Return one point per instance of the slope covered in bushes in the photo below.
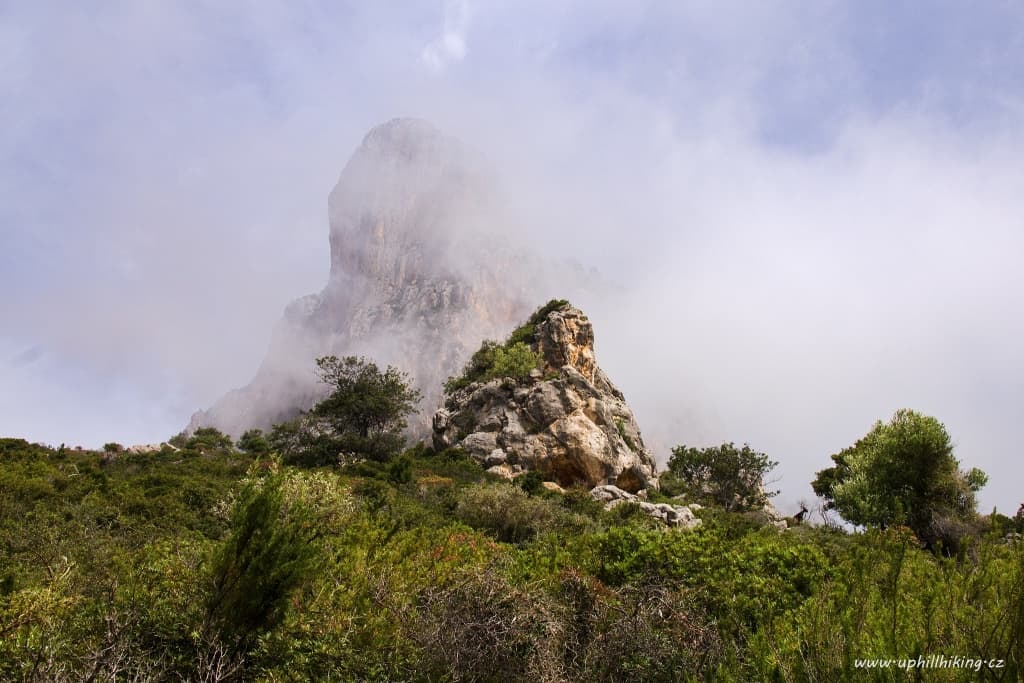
(207, 563)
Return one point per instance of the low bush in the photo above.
(511, 515)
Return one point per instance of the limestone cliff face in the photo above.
(567, 421)
(419, 274)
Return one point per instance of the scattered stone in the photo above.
(671, 515)
(141, 449)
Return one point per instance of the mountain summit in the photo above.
(420, 272)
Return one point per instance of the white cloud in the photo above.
(450, 46)
(165, 174)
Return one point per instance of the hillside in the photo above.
(319, 553)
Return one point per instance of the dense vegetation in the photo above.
(324, 551)
(209, 563)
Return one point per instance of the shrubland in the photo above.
(328, 550)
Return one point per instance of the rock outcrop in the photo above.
(566, 420)
(419, 274)
(671, 515)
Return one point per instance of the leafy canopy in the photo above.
(364, 401)
(723, 475)
(363, 415)
(902, 471)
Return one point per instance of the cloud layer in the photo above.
(813, 211)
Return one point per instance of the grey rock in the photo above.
(479, 444)
(495, 457)
(671, 515)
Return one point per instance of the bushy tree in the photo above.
(364, 400)
(254, 442)
(725, 475)
(363, 415)
(902, 471)
(515, 360)
(208, 439)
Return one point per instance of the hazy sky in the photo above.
(814, 209)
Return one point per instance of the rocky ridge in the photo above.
(566, 420)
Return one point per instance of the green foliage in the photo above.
(364, 402)
(166, 566)
(254, 442)
(515, 358)
(532, 482)
(730, 477)
(113, 447)
(493, 361)
(400, 470)
(542, 313)
(207, 439)
(903, 472)
(512, 515)
(363, 416)
(887, 599)
(261, 562)
(744, 582)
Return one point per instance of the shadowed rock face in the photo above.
(567, 421)
(419, 275)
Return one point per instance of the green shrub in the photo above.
(532, 482)
(516, 361)
(730, 477)
(254, 442)
(255, 569)
(744, 582)
(542, 313)
(514, 358)
(890, 599)
(511, 515)
(399, 470)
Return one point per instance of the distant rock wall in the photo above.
(420, 273)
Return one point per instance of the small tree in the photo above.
(254, 442)
(904, 472)
(208, 439)
(254, 571)
(730, 477)
(366, 411)
(515, 360)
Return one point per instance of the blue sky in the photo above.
(818, 202)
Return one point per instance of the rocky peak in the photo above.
(420, 272)
(565, 420)
(566, 337)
